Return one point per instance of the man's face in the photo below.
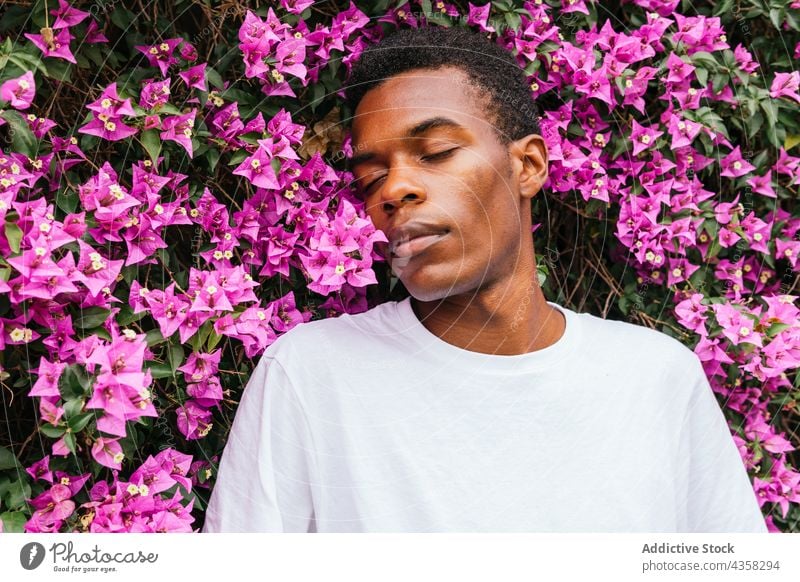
(439, 184)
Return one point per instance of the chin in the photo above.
(429, 290)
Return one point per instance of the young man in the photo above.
(474, 405)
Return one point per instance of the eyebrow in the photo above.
(414, 131)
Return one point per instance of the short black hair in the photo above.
(491, 69)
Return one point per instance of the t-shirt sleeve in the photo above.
(719, 493)
(263, 483)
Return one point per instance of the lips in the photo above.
(411, 239)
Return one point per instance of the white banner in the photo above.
(400, 557)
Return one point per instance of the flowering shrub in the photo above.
(174, 196)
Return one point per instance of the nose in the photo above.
(401, 187)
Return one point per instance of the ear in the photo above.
(530, 159)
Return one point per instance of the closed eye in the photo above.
(439, 155)
(428, 158)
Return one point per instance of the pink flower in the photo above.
(54, 505)
(178, 128)
(786, 85)
(47, 383)
(734, 165)
(67, 16)
(257, 168)
(759, 430)
(41, 470)
(763, 185)
(193, 421)
(643, 137)
(20, 91)
(679, 70)
(479, 15)
(161, 54)
(789, 250)
(59, 48)
(737, 327)
(108, 452)
(296, 6)
(199, 367)
(195, 77)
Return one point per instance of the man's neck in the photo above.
(512, 321)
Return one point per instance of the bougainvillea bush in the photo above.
(174, 196)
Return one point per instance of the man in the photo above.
(474, 405)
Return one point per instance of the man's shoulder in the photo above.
(634, 343)
(332, 334)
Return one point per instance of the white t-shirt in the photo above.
(371, 423)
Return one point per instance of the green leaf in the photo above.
(91, 317)
(213, 78)
(74, 382)
(159, 370)
(154, 337)
(17, 493)
(776, 328)
(22, 139)
(719, 81)
(13, 521)
(54, 432)
(127, 316)
(213, 340)
(70, 442)
(7, 459)
(73, 407)
(769, 109)
(151, 143)
(702, 76)
(25, 62)
(705, 60)
(79, 422)
(175, 356)
(67, 200)
(13, 235)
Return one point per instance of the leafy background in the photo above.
(174, 196)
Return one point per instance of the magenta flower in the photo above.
(53, 506)
(479, 15)
(760, 431)
(20, 91)
(108, 111)
(49, 412)
(41, 470)
(786, 85)
(296, 6)
(108, 452)
(154, 93)
(257, 168)
(93, 34)
(763, 185)
(178, 128)
(200, 367)
(168, 309)
(193, 421)
(734, 166)
(643, 137)
(737, 327)
(161, 55)
(679, 70)
(57, 48)
(95, 271)
(67, 16)
(47, 383)
(195, 77)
